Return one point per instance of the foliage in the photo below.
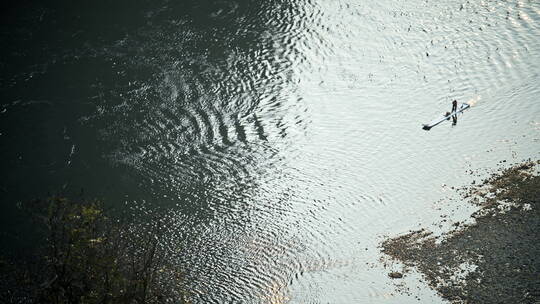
(90, 258)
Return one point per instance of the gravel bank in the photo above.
(494, 260)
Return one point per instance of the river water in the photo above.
(283, 137)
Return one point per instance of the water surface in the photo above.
(283, 136)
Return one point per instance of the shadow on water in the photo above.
(182, 105)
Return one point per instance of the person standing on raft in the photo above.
(454, 108)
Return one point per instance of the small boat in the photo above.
(462, 107)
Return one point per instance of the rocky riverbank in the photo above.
(496, 259)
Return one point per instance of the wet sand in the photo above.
(494, 260)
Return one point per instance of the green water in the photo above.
(283, 136)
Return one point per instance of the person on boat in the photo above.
(454, 109)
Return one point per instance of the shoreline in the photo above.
(496, 259)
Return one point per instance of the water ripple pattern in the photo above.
(205, 127)
(262, 137)
(281, 139)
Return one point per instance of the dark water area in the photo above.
(284, 136)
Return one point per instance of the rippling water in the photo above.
(283, 137)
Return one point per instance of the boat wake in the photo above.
(472, 102)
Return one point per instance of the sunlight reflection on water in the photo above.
(285, 138)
